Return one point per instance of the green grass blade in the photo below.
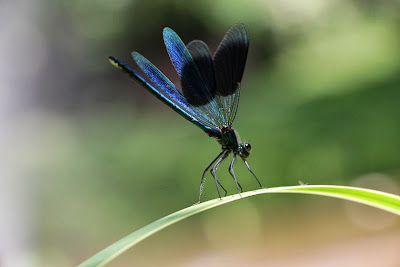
(381, 200)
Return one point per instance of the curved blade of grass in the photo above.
(381, 200)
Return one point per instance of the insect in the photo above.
(210, 90)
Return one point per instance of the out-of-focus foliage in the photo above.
(319, 103)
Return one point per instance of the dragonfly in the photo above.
(210, 90)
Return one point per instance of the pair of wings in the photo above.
(210, 85)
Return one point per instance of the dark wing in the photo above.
(229, 63)
(195, 87)
(203, 60)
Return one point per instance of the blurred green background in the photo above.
(89, 156)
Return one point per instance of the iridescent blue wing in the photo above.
(198, 91)
(169, 90)
(167, 93)
(229, 63)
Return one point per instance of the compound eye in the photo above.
(247, 147)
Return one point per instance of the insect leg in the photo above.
(248, 167)
(233, 174)
(213, 170)
(203, 181)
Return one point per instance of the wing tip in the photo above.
(168, 31)
(135, 55)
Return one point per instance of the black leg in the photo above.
(223, 188)
(233, 173)
(213, 170)
(248, 167)
(203, 181)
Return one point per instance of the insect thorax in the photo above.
(228, 138)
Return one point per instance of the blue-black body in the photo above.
(210, 89)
